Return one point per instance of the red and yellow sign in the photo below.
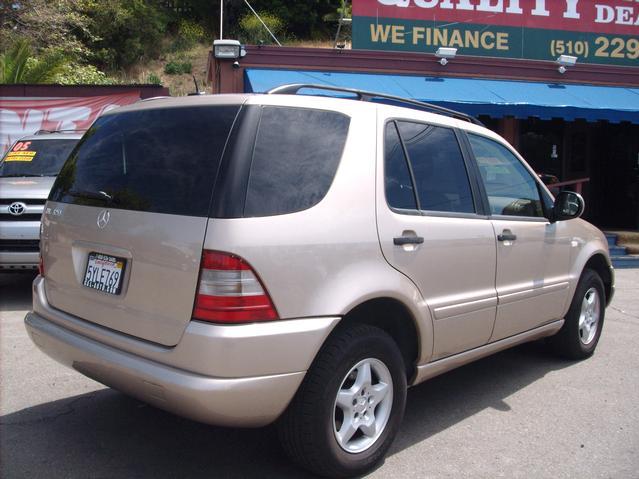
(20, 152)
(596, 31)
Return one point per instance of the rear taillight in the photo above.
(229, 291)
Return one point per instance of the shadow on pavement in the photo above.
(443, 401)
(15, 291)
(106, 434)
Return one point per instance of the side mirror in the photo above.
(568, 205)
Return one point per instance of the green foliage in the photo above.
(77, 41)
(18, 65)
(189, 34)
(75, 74)
(46, 25)
(345, 8)
(124, 31)
(300, 18)
(153, 79)
(177, 68)
(253, 31)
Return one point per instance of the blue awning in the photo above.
(496, 98)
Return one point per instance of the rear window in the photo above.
(36, 157)
(295, 158)
(161, 161)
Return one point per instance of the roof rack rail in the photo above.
(152, 98)
(67, 130)
(294, 88)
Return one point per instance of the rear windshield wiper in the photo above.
(92, 195)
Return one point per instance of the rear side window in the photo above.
(441, 179)
(295, 158)
(161, 161)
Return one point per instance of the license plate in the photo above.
(104, 273)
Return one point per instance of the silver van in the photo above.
(248, 259)
(27, 172)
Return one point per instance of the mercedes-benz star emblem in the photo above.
(17, 208)
(103, 218)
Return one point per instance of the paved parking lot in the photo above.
(521, 413)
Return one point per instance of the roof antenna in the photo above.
(197, 88)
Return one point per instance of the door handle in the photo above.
(507, 235)
(402, 240)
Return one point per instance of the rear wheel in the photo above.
(578, 337)
(348, 410)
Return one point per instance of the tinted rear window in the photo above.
(295, 158)
(36, 157)
(438, 167)
(161, 161)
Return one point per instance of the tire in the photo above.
(314, 429)
(578, 337)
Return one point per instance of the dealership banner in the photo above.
(24, 116)
(595, 31)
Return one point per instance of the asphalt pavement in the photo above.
(519, 414)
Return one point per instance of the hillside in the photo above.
(182, 84)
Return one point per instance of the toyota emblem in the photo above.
(17, 208)
(103, 218)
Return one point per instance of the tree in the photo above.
(122, 32)
(45, 24)
(301, 18)
(18, 65)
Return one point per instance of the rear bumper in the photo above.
(253, 401)
(262, 386)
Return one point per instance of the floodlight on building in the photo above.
(228, 49)
(565, 61)
(444, 54)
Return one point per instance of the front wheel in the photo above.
(578, 337)
(349, 407)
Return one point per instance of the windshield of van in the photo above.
(152, 160)
(36, 157)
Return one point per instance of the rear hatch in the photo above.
(125, 223)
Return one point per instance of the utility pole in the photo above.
(221, 18)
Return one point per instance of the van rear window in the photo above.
(160, 161)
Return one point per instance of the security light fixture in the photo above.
(444, 54)
(228, 49)
(565, 61)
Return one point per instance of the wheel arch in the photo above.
(599, 264)
(396, 319)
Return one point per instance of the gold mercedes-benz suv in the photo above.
(248, 259)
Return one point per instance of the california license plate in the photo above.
(104, 273)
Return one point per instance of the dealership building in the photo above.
(558, 79)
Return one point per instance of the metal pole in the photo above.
(221, 17)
